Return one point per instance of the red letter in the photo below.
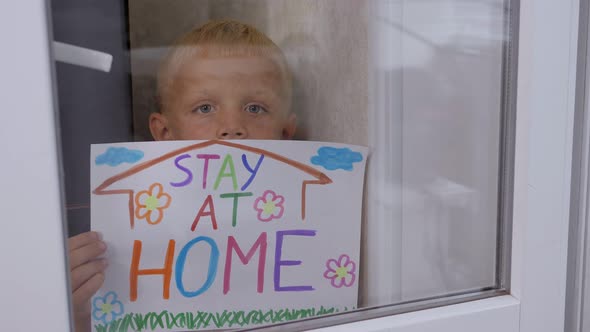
(232, 244)
(202, 213)
(135, 272)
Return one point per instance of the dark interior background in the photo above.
(94, 106)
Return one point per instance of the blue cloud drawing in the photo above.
(336, 158)
(117, 156)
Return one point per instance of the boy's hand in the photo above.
(86, 274)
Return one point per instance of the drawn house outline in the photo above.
(102, 189)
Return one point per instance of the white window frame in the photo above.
(33, 282)
(543, 158)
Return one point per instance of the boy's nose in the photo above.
(230, 131)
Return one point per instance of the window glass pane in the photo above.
(425, 85)
(436, 95)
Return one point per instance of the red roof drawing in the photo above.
(320, 178)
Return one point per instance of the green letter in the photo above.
(227, 161)
(235, 196)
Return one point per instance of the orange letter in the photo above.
(203, 213)
(135, 272)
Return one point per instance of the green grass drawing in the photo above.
(208, 320)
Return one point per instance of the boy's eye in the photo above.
(204, 109)
(255, 109)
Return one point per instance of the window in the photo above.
(426, 85)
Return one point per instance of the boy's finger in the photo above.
(82, 240)
(84, 272)
(82, 295)
(86, 254)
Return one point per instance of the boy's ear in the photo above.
(290, 126)
(159, 127)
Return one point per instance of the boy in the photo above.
(224, 80)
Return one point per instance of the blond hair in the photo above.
(221, 38)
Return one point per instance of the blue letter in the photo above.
(213, 260)
(253, 172)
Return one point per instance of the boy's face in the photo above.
(237, 97)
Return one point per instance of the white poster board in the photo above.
(225, 234)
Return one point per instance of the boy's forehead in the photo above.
(231, 65)
(195, 70)
(250, 70)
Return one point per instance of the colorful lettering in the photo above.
(207, 157)
(232, 244)
(253, 172)
(235, 196)
(211, 272)
(209, 213)
(189, 174)
(135, 272)
(227, 162)
(279, 262)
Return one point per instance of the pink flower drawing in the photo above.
(269, 206)
(341, 272)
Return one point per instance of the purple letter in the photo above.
(189, 177)
(206, 167)
(279, 262)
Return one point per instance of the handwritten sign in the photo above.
(225, 234)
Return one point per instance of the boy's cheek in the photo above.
(274, 133)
